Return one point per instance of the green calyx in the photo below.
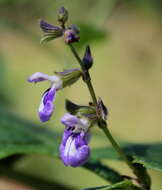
(69, 77)
(80, 110)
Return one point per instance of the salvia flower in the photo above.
(57, 82)
(74, 149)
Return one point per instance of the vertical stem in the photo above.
(87, 80)
(117, 147)
(92, 92)
(103, 125)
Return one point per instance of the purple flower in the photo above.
(78, 124)
(71, 36)
(58, 81)
(74, 149)
(46, 107)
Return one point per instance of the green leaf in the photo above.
(143, 176)
(33, 181)
(19, 136)
(149, 155)
(103, 171)
(124, 185)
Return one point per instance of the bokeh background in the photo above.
(126, 42)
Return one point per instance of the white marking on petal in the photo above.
(38, 76)
(70, 148)
(56, 81)
(41, 106)
(83, 125)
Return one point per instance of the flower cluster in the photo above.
(74, 148)
(50, 32)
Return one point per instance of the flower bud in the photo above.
(69, 77)
(62, 15)
(71, 36)
(87, 59)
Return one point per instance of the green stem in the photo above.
(102, 125)
(87, 79)
(76, 56)
(117, 147)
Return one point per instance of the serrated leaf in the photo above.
(20, 136)
(124, 185)
(149, 155)
(103, 171)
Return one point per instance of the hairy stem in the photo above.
(102, 125)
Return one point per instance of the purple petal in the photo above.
(69, 120)
(46, 107)
(74, 150)
(38, 77)
(70, 36)
(49, 27)
(62, 10)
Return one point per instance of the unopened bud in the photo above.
(62, 15)
(87, 59)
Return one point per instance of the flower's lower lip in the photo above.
(74, 150)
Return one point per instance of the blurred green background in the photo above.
(126, 42)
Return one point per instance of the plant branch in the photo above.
(102, 124)
(87, 78)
